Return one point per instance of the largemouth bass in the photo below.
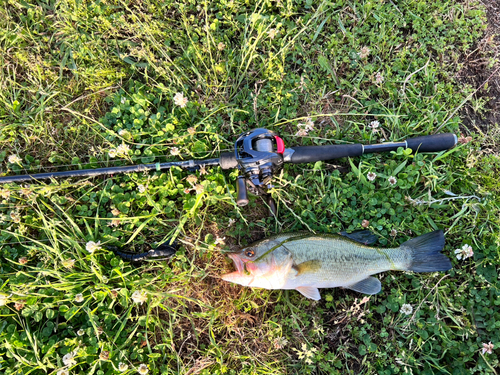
(306, 262)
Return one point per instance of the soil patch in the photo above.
(482, 113)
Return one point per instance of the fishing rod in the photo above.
(259, 154)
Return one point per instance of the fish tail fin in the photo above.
(426, 253)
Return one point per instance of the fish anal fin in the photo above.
(370, 285)
(362, 236)
(308, 266)
(309, 292)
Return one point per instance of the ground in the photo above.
(482, 113)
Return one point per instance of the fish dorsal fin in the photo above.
(370, 285)
(362, 236)
(309, 292)
(309, 266)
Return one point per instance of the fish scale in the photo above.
(342, 262)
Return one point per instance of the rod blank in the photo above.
(109, 171)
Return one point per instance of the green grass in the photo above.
(80, 79)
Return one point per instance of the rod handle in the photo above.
(426, 143)
(432, 143)
(311, 154)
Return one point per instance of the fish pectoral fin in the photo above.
(309, 266)
(370, 285)
(362, 236)
(309, 292)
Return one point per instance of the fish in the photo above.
(306, 262)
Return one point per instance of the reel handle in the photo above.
(241, 192)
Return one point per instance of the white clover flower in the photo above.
(4, 193)
(309, 124)
(203, 170)
(221, 46)
(301, 133)
(180, 100)
(364, 300)
(92, 246)
(115, 212)
(365, 51)
(305, 128)
(272, 33)
(174, 151)
(406, 309)
(63, 372)
(192, 179)
(280, 342)
(104, 355)
(371, 176)
(219, 241)
(4, 299)
(79, 297)
(123, 99)
(379, 78)
(392, 180)
(123, 149)
(114, 223)
(231, 222)
(122, 367)
(69, 359)
(199, 188)
(80, 332)
(15, 217)
(139, 297)
(191, 130)
(2, 218)
(142, 369)
(122, 132)
(465, 252)
(112, 153)
(68, 263)
(374, 125)
(14, 159)
(488, 348)
(26, 191)
(19, 305)
(141, 188)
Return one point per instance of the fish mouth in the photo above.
(238, 263)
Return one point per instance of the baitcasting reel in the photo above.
(259, 154)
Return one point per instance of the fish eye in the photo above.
(249, 253)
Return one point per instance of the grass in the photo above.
(81, 80)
